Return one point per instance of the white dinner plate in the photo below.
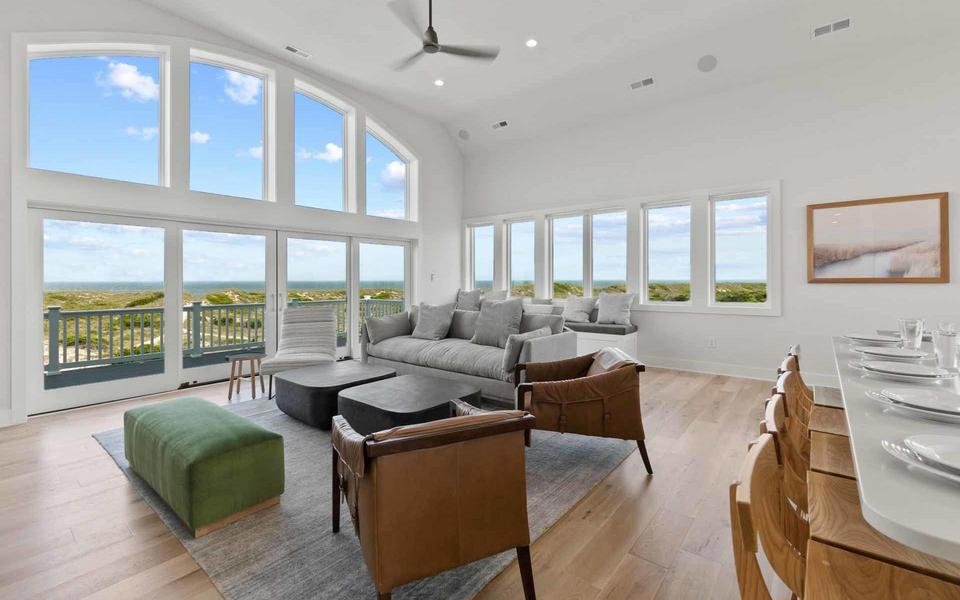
(926, 399)
(943, 450)
(891, 352)
(910, 369)
(905, 454)
(874, 338)
(910, 411)
(920, 379)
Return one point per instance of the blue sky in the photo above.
(668, 228)
(522, 244)
(568, 249)
(97, 116)
(483, 253)
(316, 260)
(216, 256)
(78, 251)
(741, 239)
(319, 154)
(386, 180)
(610, 246)
(381, 262)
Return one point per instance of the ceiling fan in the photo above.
(431, 44)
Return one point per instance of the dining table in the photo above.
(915, 508)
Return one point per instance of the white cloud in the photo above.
(394, 175)
(242, 89)
(331, 153)
(144, 133)
(130, 81)
(199, 137)
(390, 213)
(252, 152)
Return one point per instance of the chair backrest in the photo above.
(308, 330)
(793, 454)
(756, 506)
(797, 404)
(791, 362)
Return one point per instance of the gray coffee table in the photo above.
(310, 394)
(403, 400)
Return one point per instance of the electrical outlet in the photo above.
(433, 276)
(712, 343)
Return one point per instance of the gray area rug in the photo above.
(289, 551)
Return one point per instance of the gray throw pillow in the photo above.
(433, 322)
(511, 352)
(577, 310)
(468, 300)
(379, 329)
(498, 320)
(538, 309)
(614, 308)
(492, 296)
(464, 324)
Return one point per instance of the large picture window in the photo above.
(97, 116)
(668, 253)
(522, 258)
(609, 257)
(386, 180)
(226, 131)
(740, 249)
(319, 141)
(483, 256)
(567, 239)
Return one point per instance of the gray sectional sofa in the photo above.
(456, 357)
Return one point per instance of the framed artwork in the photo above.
(903, 239)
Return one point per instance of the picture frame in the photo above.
(899, 239)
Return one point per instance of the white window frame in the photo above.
(80, 49)
(644, 292)
(508, 253)
(349, 141)
(412, 163)
(268, 94)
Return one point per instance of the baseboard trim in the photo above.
(732, 370)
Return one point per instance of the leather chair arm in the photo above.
(463, 409)
(570, 368)
(454, 430)
(350, 445)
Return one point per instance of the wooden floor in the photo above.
(71, 526)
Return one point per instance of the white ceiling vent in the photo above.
(499, 124)
(832, 27)
(297, 51)
(643, 83)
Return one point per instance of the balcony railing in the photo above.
(89, 338)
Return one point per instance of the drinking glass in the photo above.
(946, 345)
(911, 333)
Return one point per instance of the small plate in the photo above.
(926, 399)
(921, 379)
(892, 352)
(909, 369)
(902, 453)
(941, 450)
(910, 411)
(873, 338)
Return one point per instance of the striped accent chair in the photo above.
(308, 336)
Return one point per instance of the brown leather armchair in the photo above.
(434, 496)
(563, 398)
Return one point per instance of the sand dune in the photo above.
(825, 254)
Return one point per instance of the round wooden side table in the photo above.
(236, 372)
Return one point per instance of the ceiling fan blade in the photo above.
(402, 10)
(403, 64)
(484, 52)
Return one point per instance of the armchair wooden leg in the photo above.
(642, 447)
(270, 395)
(527, 438)
(383, 596)
(526, 572)
(335, 486)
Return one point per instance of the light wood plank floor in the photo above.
(71, 526)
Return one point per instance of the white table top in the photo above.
(915, 508)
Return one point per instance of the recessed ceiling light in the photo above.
(438, 82)
(532, 43)
(707, 63)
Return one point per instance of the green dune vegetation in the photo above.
(727, 291)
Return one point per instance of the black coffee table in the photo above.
(403, 400)
(310, 394)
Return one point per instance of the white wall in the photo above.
(872, 127)
(440, 162)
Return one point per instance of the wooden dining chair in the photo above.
(796, 403)
(818, 394)
(793, 455)
(756, 513)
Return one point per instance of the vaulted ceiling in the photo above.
(589, 51)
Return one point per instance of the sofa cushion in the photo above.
(464, 324)
(608, 328)
(614, 308)
(468, 300)
(529, 322)
(381, 328)
(577, 310)
(462, 356)
(403, 348)
(540, 309)
(511, 354)
(493, 296)
(497, 321)
(433, 322)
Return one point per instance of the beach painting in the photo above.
(903, 239)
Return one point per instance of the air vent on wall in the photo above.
(832, 27)
(499, 124)
(297, 51)
(646, 82)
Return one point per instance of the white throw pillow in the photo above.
(538, 309)
(607, 359)
(614, 308)
(577, 310)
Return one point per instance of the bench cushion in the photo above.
(607, 328)
(204, 461)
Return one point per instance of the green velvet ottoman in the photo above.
(211, 466)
